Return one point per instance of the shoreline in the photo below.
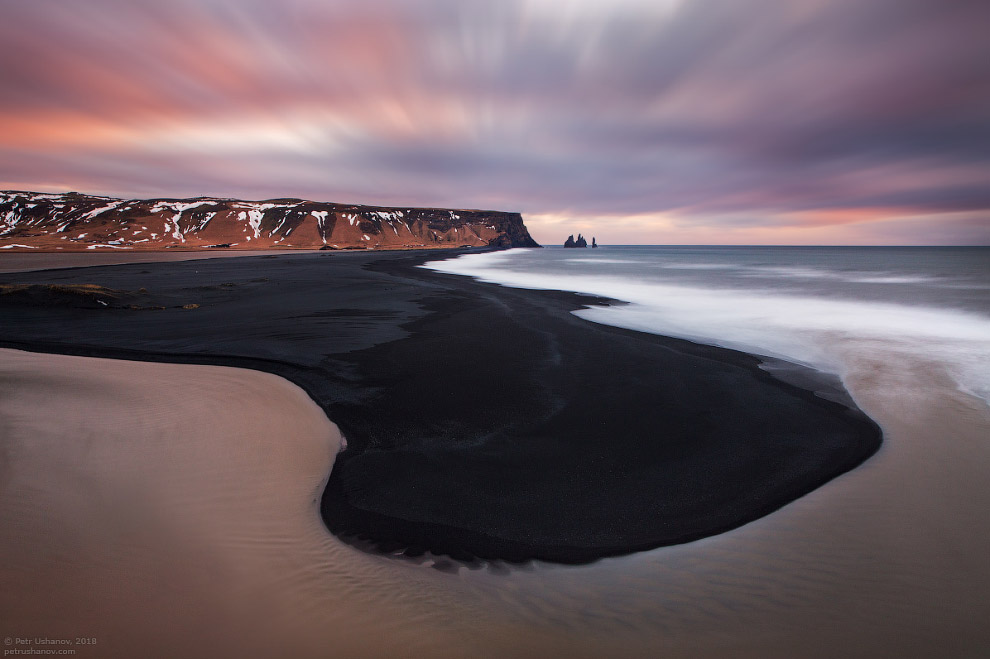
(400, 328)
(19, 260)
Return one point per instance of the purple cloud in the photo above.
(718, 112)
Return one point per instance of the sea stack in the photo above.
(580, 242)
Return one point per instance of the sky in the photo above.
(637, 121)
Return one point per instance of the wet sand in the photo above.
(196, 533)
(171, 511)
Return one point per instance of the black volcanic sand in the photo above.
(482, 422)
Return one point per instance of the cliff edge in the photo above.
(78, 222)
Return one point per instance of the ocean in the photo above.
(823, 307)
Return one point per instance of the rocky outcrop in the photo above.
(580, 242)
(77, 222)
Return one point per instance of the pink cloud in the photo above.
(731, 114)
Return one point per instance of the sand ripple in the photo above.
(171, 510)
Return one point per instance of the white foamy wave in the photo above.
(854, 277)
(698, 266)
(601, 261)
(825, 333)
(893, 279)
(798, 273)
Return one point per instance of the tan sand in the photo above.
(171, 511)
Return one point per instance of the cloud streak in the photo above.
(712, 117)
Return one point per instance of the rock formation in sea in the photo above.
(594, 243)
(580, 242)
(78, 222)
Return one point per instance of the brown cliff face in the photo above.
(76, 222)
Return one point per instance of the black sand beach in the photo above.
(481, 421)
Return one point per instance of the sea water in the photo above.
(818, 306)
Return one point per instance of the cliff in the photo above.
(78, 222)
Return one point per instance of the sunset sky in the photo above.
(638, 121)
